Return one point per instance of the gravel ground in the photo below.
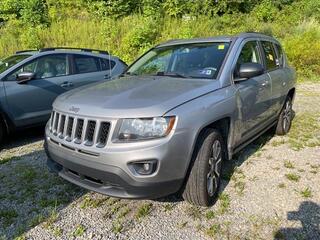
(269, 191)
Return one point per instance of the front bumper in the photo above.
(109, 173)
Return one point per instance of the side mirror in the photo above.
(249, 70)
(25, 76)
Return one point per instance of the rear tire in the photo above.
(202, 186)
(285, 118)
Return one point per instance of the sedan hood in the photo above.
(133, 96)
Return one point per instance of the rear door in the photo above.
(30, 102)
(253, 95)
(275, 62)
(88, 69)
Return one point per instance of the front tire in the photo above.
(202, 186)
(285, 118)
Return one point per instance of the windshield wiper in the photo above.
(171, 74)
(128, 74)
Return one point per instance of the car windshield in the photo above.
(197, 60)
(7, 63)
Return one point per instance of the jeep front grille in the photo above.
(79, 130)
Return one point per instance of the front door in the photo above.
(31, 102)
(253, 95)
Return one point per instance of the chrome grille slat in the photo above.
(79, 130)
(55, 123)
(96, 132)
(74, 128)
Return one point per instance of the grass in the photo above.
(276, 143)
(281, 185)
(238, 178)
(53, 217)
(123, 212)
(306, 193)
(288, 164)
(224, 201)
(213, 230)
(117, 226)
(8, 216)
(168, 207)
(144, 210)
(293, 177)
(210, 214)
(305, 131)
(39, 218)
(182, 225)
(194, 212)
(89, 202)
(7, 159)
(79, 231)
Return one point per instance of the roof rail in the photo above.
(28, 50)
(70, 48)
(259, 33)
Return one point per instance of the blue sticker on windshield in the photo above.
(206, 71)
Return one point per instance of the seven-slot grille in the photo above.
(79, 130)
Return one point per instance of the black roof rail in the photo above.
(71, 48)
(28, 50)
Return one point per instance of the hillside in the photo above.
(128, 27)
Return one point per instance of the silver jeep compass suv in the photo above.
(172, 118)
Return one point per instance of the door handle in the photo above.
(67, 84)
(264, 84)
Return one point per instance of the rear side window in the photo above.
(270, 56)
(86, 64)
(280, 58)
(106, 64)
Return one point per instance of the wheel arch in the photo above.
(292, 93)
(6, 122)
(223, 125)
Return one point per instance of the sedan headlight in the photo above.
(145, 128)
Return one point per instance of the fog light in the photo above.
(144, 168)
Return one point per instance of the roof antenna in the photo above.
(109, 56)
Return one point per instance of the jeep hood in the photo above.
(133, 96)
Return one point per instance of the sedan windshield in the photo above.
(197, 60)
(11, 61)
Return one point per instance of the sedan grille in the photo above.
(79, 130)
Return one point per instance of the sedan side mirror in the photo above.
(25, 76)
(249, 70)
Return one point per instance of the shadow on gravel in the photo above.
(30, 195)
(20, 138)
(309, 216)
(230, 167)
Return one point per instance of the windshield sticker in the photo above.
(221, 46)
(206, 71)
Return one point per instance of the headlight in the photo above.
(145, 128)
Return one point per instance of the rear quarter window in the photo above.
(280, 56)
(270, 55)
(107, 64)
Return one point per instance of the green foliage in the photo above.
(30, 12)
(127, 28)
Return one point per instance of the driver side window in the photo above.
(44, 67)
(249, 54)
